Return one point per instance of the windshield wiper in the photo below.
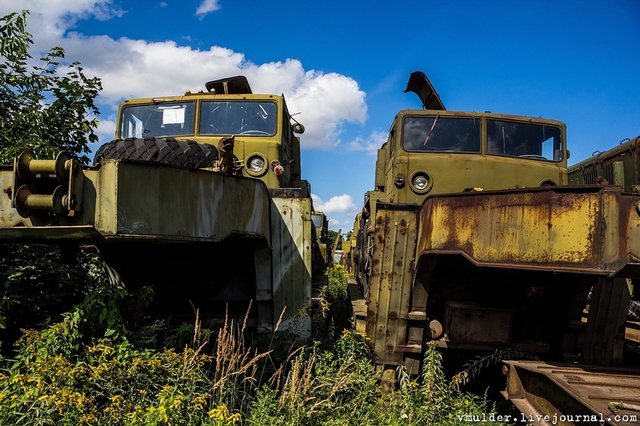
(431, 130)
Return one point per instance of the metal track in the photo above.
(567, 394)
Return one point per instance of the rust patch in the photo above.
(508, 217)
(393, 316)
(399, 263)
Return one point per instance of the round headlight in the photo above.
(420, 182)
(256, 164)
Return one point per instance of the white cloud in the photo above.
(336, 204)
(346, 226)
(370, 145)
(327, 101)
(207, 6)
(51, 19)
(107, 130)
(132, 68)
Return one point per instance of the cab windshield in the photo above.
(157, 120)
(216, 118)
(238, 118)
(524, 140)
(462, 134)
(441, 134)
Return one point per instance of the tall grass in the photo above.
(60, 377)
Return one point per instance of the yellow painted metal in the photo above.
(553, 228)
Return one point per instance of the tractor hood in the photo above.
(229, 86)
(421, 86)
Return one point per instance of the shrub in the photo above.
(57, 380)
(333, 311)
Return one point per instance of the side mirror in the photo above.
(297, 128)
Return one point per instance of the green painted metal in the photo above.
(125, 199)
(292, 262)
(281, 145)
(452, 171)
(617, 166)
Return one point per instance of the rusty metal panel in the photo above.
(390, 283)
(580, 229)
(467, 322)
(126, 199)
(292, 262)
(562, 392)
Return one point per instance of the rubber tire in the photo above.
(186, 153)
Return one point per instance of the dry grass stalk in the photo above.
(276, 376)
(279, 321)
(198, 344)
(235, 365)
(335, 387)
(275, 379)
(298, 384)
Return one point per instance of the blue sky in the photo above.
(343, 65)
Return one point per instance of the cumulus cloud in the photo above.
(49, 20)
(132, 68)
(346, 225)
(207, 6)
(105, 132)
(336, 204)
(370, 145)
(327, 101)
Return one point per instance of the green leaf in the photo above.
(41, 108)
